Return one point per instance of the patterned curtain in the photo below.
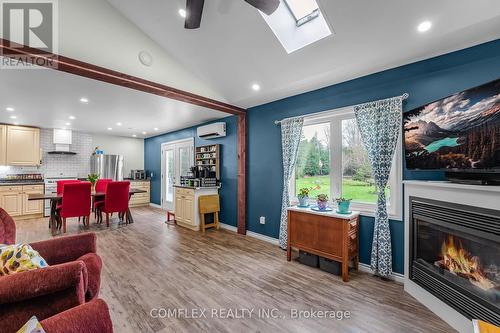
(379, 124)
(291, 131)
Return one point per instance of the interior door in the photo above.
(169, 177)
(177, 159)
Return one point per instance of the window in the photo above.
(303, 11)
(298, 23)
(332, 160)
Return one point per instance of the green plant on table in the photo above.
(92, 178)
(341, 199)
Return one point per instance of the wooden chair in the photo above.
(209, 204)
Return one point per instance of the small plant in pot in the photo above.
(92, 178)
(322, 201)
(303, 195)
(343, 205)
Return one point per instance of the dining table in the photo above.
(55, 198)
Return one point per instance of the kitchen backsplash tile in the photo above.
(55, 165)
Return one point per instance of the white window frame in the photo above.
(335, 117)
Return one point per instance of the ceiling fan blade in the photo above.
(194, 11)
(266, 6)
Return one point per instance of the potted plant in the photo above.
(343, 205)
(322, 201)
(92, 178)
(303, 196)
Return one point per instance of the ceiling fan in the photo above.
(194, 10)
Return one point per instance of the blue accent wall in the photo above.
(229, 167)
(425, 81)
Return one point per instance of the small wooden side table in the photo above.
(209, 204)
(326, 234)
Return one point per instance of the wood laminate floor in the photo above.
(150, 265)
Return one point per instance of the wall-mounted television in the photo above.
(459, 133)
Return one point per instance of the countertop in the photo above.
(330, 213)
(199, 187)
(21, 182)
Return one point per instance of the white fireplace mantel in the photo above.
(471, 195)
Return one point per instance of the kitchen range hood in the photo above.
(62, 139)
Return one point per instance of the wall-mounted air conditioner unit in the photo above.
(212, 131)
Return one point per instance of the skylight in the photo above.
(298, 23)
(303, 11)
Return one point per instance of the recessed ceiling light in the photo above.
(255, 87)
(84, 100)
(110, 129)
(10, 109)
(182, 12)
(72, 117)
(13, 117)
(424, 26)
(156, 129)
(118, 124)
(68, 124)
(144, 133)
(134, 135)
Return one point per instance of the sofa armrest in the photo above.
(93, 316)
(65, 249)
(44, 281)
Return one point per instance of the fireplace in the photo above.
(455, 255)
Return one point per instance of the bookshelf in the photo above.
(209, 156)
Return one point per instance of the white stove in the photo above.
(51, 187)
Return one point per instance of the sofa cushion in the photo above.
(19, 258)
(93, 264)
(32, 326)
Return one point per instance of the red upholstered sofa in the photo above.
(92, 317)
(72, 278)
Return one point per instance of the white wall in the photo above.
(132, 150)
(93, 31)
(78, 165)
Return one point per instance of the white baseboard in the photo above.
(155, 205)
(265, 238)
(396, 277)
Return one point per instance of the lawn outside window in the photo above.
(332, 160)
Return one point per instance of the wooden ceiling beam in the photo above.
(37, 57)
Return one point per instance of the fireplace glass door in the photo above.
(463, 260)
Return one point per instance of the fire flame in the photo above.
(460, 262)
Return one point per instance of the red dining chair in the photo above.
(116, 200)
(61, 183)
(76, 202)
(100, 187)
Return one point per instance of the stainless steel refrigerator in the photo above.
(107, 166)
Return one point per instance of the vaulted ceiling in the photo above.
(234, 47)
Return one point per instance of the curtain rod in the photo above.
(277, 122)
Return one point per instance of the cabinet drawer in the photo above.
(33, 188)
(140, 196)
(185, 192)
(139, 185)
(11, 189)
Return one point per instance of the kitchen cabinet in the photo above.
(22, 146)
(140, 199)
(186, 205)
(11, 199)
(33, 206)
(14, 200)
(3, 144)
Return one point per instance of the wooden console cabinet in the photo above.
(326, 234)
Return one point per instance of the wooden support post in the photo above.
(242, 169)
